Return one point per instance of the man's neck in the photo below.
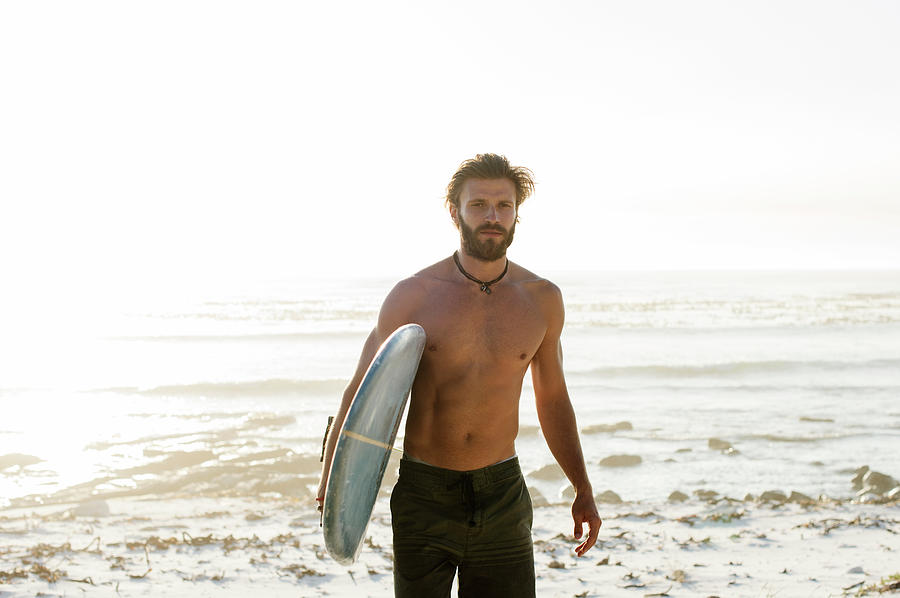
(480, 269)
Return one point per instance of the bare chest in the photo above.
(468, 328)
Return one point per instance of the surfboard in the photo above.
(364, 444)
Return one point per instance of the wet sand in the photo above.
(183, 546)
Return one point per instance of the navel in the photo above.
(523, 356)
(432, 347)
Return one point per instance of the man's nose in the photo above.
(491, 215)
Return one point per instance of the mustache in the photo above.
(492, 227)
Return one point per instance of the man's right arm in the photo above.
(394, 313)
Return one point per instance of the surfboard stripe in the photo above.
(366, 439)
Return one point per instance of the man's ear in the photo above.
(454, 214)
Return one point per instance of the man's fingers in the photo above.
(585, 546)
(584, 510)
(593, 531)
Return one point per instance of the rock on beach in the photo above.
(678, 496)
(607, 428)
(773, 496)
(621, 461)
(718, 444)
(872, 485)
(707, 495)
(550, 472)
(608, 497)
(800, 498)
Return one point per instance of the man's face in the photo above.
(486, 217)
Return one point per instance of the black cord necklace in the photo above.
(485, 286)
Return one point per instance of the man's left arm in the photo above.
(557, 419)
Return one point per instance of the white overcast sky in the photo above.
(189, 140)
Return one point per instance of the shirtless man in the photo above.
(461, 501)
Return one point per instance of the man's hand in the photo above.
(584, 510)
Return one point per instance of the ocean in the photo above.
(226, 391)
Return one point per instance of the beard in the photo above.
(487, 250)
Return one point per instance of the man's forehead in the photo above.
(488, 188)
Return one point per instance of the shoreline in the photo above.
(193, 546)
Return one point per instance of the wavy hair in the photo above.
(490, 166)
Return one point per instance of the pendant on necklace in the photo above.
(485, 284)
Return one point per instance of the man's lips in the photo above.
(495, 233)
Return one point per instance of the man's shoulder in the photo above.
(420, 284)
(438, 272)
(541, 287)
(544, 293)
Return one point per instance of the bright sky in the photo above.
(172, 141)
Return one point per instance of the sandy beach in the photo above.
(176, 452)
(233, 547)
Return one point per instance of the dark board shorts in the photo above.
(477, 521)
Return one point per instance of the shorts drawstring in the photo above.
(465, 482)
